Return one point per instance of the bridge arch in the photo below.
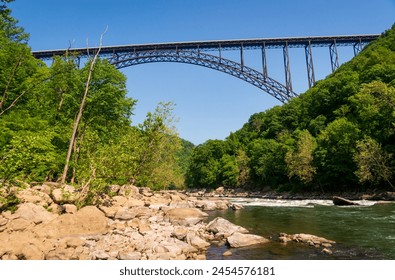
(265, 83)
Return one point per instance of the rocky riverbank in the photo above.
(270, 194)
(134, 224)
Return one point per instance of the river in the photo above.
(361, 232)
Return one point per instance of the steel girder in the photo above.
(334, 56)
(310, 65)
(265, 83)
(287, 68)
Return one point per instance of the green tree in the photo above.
(106, 111)
(373, 163)
(229, 171)
(300, 159)
(8, 25)
(19, 74)
(374, 107)
(205, 164)
(243, 164)
(335, 150)
(267, 161)
(29, 157)
(160, 144)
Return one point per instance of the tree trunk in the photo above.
(79, 116)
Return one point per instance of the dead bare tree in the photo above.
(82, 105)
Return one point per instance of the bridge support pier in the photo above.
(310, 65)
(334, 56)
(358, 47)
(264, 61)
(287, 67)
(242, 57)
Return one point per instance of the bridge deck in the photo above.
(293, 42)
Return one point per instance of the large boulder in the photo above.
(129, 191)
(34, 196)
(238, 239)
(133, 202)
(23, 245)
(157, 201)
(110, 212)
(34, 213)
(220, 190)
(210, 205)
(64, 194)
(19, 224)
(184, 216)
(125, 213)
(118, 200)
(340, 201)
(220, 226)
(207, 205)
(196, 241)
(87, 221)
(127, 255)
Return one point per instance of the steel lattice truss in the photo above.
(194, 53)
(227, 66)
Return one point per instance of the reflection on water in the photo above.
(361, 232)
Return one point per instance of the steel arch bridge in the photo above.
(230, 67)
(196, 53)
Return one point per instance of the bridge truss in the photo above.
(197, 53)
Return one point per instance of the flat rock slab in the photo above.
(309, 239)
(238, 239)
(184, 216)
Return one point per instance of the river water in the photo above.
(361, 232)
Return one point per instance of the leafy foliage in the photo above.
(38, 107)
(29, 157)
(300, 160)
(373, 163)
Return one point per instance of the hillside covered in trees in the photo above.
(39, 108)
(338, 136)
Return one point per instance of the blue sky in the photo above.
(209, 104)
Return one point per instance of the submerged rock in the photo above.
(309, 239)
(235, 206)
(340, 201)
(227, 253)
